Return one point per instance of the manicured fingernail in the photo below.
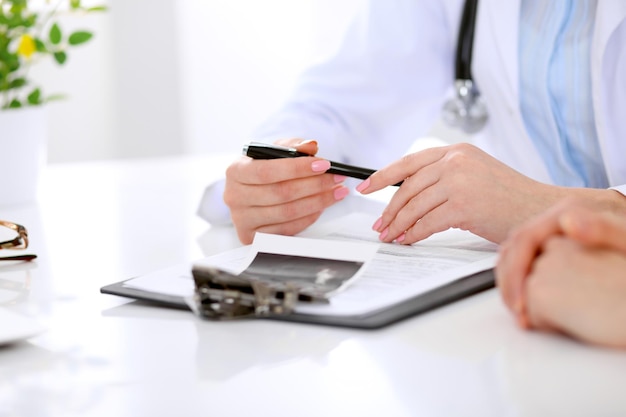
(320, 166)
(306, 142)
(377, 224)
(384, 234)
(362, 186)
(400, 238)
(339, 178)
(341, 193)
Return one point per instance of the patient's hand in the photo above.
(566, 271)
(580, 291)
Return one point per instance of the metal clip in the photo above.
(221, 295)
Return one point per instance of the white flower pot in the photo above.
(23, 138)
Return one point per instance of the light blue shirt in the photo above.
(555, 88)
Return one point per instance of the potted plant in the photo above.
(30, 31)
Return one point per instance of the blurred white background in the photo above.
(165, 77)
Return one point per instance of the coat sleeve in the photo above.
(620, 189)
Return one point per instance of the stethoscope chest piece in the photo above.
(467, 110)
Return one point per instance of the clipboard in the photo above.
(426, 301)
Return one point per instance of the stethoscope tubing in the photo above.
(466, 109)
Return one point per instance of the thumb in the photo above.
(306, 146)
(602, 229)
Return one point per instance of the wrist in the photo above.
(597, 199)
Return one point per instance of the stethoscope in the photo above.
(466, 110)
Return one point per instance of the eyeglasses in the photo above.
(19, 242)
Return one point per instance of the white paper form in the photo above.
(394, 274)
(399, 272)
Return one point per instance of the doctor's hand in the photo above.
(566, 271)
(281, 196)
(456, 186)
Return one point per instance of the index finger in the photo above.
(269, 171)
(400, 170)
(517, 254)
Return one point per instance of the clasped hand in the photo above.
(565, 271)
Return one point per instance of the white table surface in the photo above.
(99, 223)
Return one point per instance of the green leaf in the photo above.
(60, 57)
(11, 61)
(75, 4)
(97, 9)
(34, 97)
(15, 104)
(40, 46)
(17, 83)
(79, 37)
(55, 34)
(17, 6)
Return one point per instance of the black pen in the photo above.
(259, 150)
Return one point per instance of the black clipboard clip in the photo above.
(220, 295)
